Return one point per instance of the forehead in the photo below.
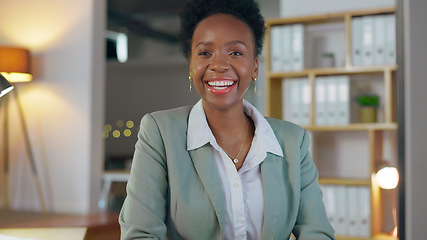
(222, 27)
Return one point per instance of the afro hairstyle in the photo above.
(195, 11)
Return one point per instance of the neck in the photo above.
(231, 120)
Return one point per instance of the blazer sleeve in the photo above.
(144, 210)
(312, 222)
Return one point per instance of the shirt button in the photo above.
(240, 220)
(236, 185)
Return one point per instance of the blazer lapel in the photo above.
(207, 170)
(275, 196)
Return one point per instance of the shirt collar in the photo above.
(200, 134)
(263, 130)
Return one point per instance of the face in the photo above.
(222, 61)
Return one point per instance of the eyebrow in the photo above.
(236, 42)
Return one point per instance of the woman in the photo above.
(219, 169)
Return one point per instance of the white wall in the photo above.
(415, 57)
(292, 8)
(269, 8)
(64, 104)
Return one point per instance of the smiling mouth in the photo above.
(220, 85)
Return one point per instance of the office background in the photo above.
(66, 102)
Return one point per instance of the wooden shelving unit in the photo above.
(374, 131)
(274, 85)
(344, 181)
(354, 127)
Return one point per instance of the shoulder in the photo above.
(167, 116)
(281, 125)
(286, 130)
(167, 124)
(172, 115)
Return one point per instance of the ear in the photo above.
(256, 67)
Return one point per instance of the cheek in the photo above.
(198, 69)
(245, 69)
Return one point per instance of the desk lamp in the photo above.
(387, 177)
(5, 86)
(14, 67)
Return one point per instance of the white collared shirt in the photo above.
(243, 190)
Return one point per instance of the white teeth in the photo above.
(220, 84)
(219, 88)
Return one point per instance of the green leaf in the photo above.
(368, 100)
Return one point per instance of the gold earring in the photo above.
(254, 78)
(191, 86)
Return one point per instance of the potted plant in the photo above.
(368, 107)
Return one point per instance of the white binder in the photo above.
(330, 204)
(286, 100)
(365, 212)
(390, 46)
(286, 37)
(331, 100)
(367, 40)
(297, 47)
(276, 49)
(353, 211)
(320, 101)
(292, 98)
(342, 113)
(297, 94)
(305, 100)
(356, 40)
(379, 39)
(341, 210)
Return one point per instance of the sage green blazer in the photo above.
(174, 194)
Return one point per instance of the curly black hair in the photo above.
(245, 10)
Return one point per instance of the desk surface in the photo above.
(103, 226)
(77, 233)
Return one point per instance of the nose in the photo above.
(219, 63)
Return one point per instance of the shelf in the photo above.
(383, 236)
(354, 127)
(352, 238)
(345, 181)
(356, 148)
(328, 16)
(333, 71)
(377, 237)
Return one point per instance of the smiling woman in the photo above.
(219, 169)
(222, 62)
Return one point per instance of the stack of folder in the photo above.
(296, 100)
(333, 105)
(348, 209)
(333, 101)
(287, 48)
(373, 40)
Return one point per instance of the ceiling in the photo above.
(157, 19)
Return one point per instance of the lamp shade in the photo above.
(5, 86)
(387, 177)
(15, 64)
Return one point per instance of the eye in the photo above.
(204, 54)
(236, 54)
